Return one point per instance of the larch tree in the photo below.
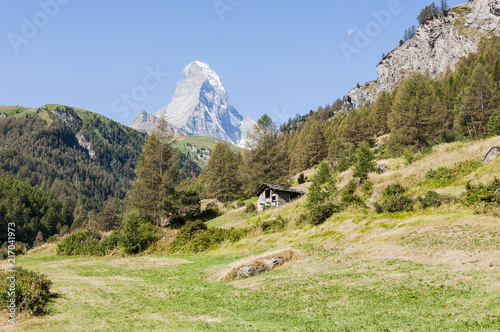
(480, 100)
(414, 117)
(221, 174)
(154, 193)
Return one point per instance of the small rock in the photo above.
(272, 262)
(249, 271)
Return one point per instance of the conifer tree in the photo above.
(153, 194)
(364, 163)
(414, 117)
(221, 174)
(267, 159)
(480, 100)
(379, 113)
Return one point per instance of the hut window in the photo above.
(268, 193)
(274, 198)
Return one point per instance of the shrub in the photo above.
(431, 199)
(187, 233)
(196, 237)
(250, 208)
(137, 234)
(320, 213)
(240, 203)
(481, 193)
(367, 188)
(210, 212)
(18, 248)
(80, 242)
(348, 194)
(273, 225)
(409, 157)
(440, 177)
(32, 290)
(394, 200)
(302, 178)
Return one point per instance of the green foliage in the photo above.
(364, 163)
(32, 291)
(81, 242)
(409, 156)
(394, 200)
(439, 177)
(367, 188)
(348, 194)
(494, 124)
(18, 249)
(273, 225)
(196, 237)
(32, 210)
(320, 213)
(221, 174)
(302, 178)
(210, 212)
(323, 188)
(137, 234)
(480, 193)
(250, 208)
(432, 199)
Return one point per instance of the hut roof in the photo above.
(275, 187)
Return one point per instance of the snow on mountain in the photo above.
(200, 107)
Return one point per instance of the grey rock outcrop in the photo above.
(438, 44)
(146, 122)
(492, 154)
(249, 271)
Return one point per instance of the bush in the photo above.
(367, 188)
(348, 194)
(250, 208)
(240, 203)
(32, 290)
(210, 212)
(302, 178)
(273, 225)
(80, 242)
(481, 193)
(431, 199)
(394, 200)
(18, 248)
(409, 157)
(137, 234)
(320, 213)
(440, 177)
(196, 237)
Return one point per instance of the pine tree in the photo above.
(494, 124)
(221, 174)
(110, 217)
(480, 100)
(378, 114)
(444, 7)
(414, 117)
(364, 163)
(323, 188)
(153, 194)
(267, 159)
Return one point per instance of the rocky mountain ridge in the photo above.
(438, 44)
(200, 107)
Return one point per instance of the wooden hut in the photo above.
(274, 195)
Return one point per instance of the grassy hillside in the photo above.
(435, 269)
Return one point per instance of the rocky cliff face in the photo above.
(146, 122)
(438, 44)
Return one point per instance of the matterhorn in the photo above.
(200, 107)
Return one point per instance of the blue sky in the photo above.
(281, 57)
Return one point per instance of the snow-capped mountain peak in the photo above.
(200, 107)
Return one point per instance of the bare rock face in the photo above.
(146, 122)
(438, 44)
(249, 271)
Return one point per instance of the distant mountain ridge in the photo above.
(200, 107)
(439, 44)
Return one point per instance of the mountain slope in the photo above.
(438, 44)
(82, 157)
(200, 107)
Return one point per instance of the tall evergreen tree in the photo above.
(480, 100)
(364, 163)
(221, 174)
(267, 159)
(154, 194)
(414, 117)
